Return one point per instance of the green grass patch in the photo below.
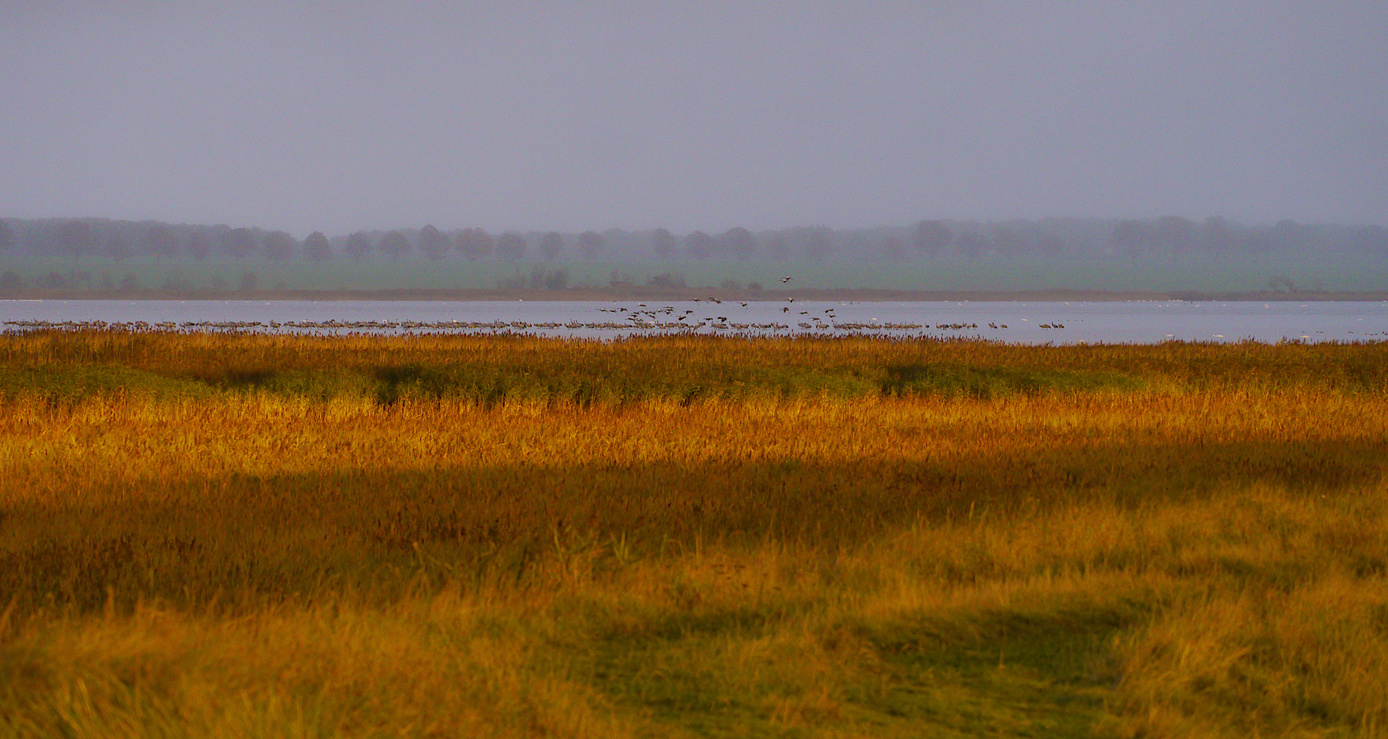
(952, 380)
(68, 383)
(1225, 273)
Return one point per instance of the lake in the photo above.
(1143, 322)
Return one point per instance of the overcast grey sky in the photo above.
(338, 116)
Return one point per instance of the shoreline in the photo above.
(618, 294)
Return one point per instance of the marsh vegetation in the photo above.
(223, 535)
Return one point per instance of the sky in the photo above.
(338, 116)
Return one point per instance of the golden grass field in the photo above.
(235, 535)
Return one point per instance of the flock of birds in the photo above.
(640, 318)
(709, 314)
(665, 317)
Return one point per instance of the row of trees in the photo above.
(1216, 235)
(928, 239)
(118, 241)
(1161, 237)
(121, 240)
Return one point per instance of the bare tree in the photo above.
(279, 246)
(818, 241)
(7, 237)
(1009, 242)
(199, 245)
(1131, 237)
(474, 244)
(249, 282)
(1176, 233)
(76, 238)
(590, 243)
(1289, 236)
(550, 245)
(740, 242)
(161, 240)
(396, 244)
(511, 246)
(239, 242)
(931, 237)
(663, 243)
(317, 248)
(778, 247)
(1218, 235)
(117, 248)
(699, 245)
(358, 246)
(971, 244)
(433, 243)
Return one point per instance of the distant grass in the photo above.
(1228, 273)
(231, 535)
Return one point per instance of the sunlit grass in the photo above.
(232, 535)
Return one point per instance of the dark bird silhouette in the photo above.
(784, 280)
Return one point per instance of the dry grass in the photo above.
(210, 535)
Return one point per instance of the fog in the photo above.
(522, 115)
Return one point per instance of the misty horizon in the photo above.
(638, 116)
(19, 226)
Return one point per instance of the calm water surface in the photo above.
(1013, 322)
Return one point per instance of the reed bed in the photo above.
(229, 535)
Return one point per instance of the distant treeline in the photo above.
(1058, 238)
